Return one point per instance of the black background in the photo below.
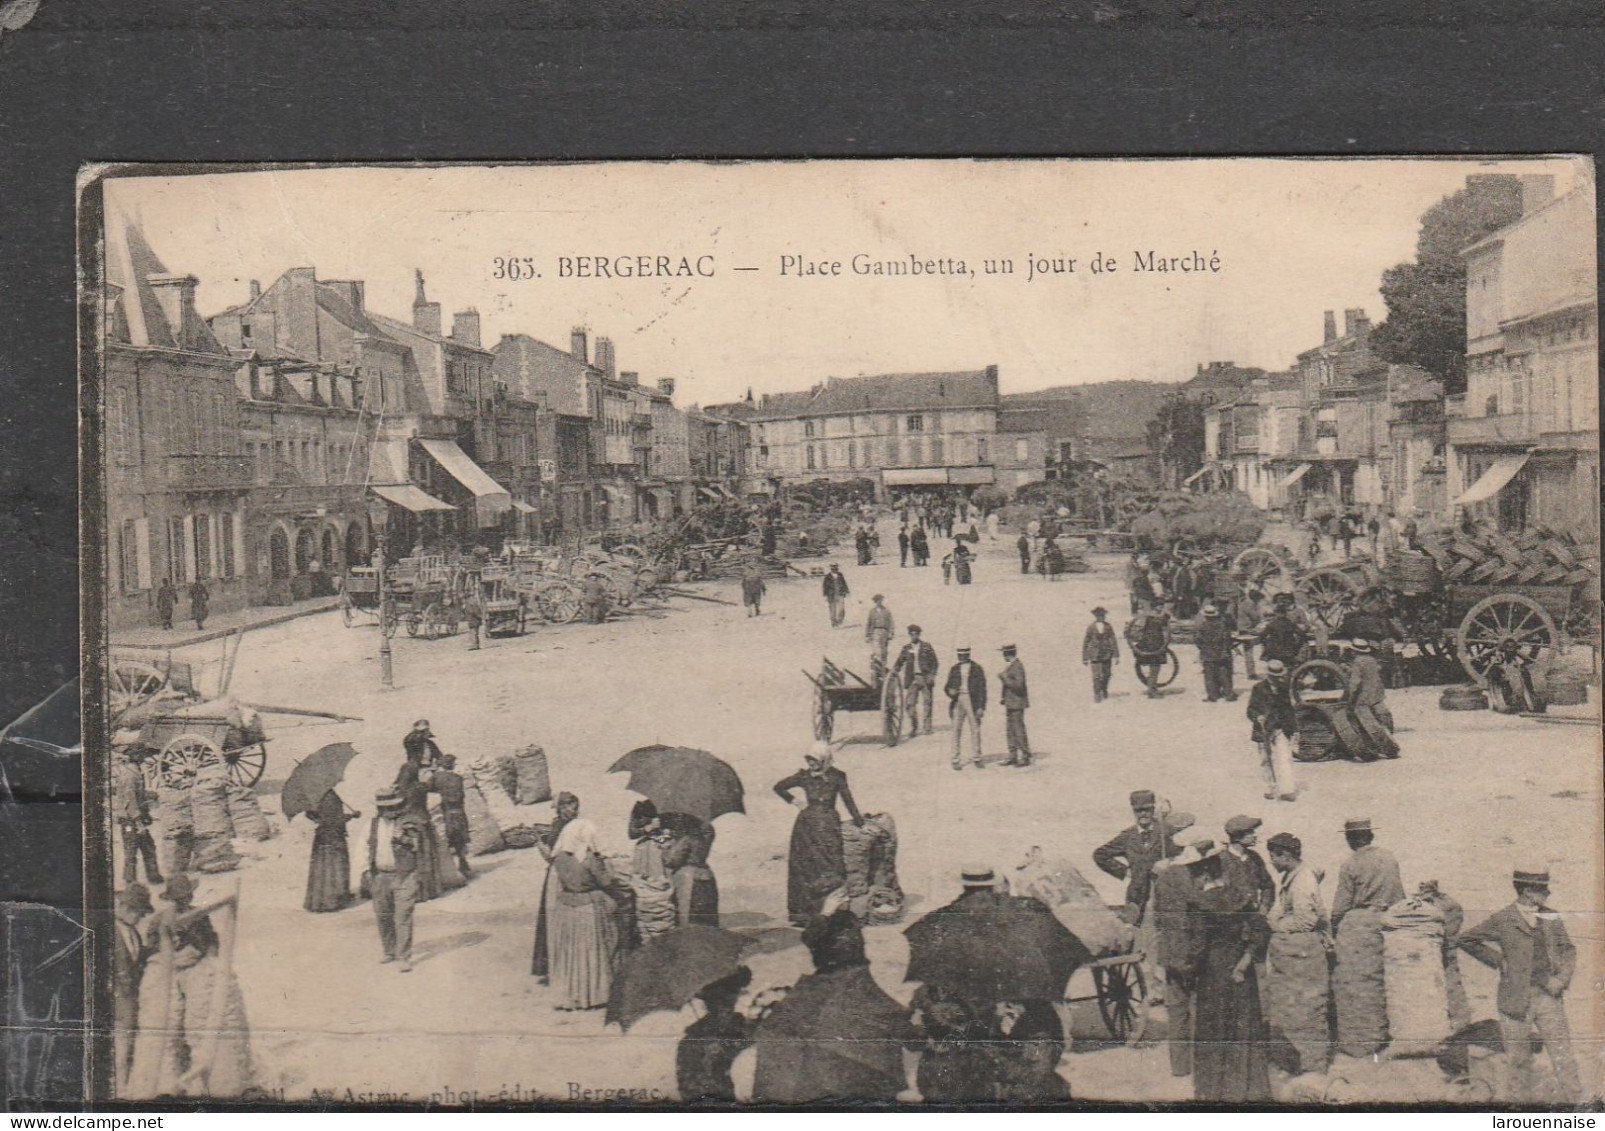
(266, 80)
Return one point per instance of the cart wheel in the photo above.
(245, 766)
(387, 620)
(824, 723)
(646, 579)
(345, 613)
(415, 622)
(1264, 568)
(1317, 675)
(559, 604)
(1167, 671)
(1122, 991)
(132, 683)
(182, 758)
(1331, 595)
(893, 700)
(1505, 618)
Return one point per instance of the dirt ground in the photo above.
(1473, 795)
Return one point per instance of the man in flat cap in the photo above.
(966, 706)
(1298, 982)
(1133, 852)
(917, 667)
(1015, 701)
(1244, 866)
(878, 629)
(1368, 884)
(1100, 651)
(1528, 944)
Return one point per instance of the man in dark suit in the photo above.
(835, 590)
(1177, 898)
(1015, 701)
(1133, 852)
(128, 968)
(1528, 944)
(917, 666)
(1100, 651)
(966, 706)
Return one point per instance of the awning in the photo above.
(1295, 475)
(1494, 480)
(663, 495)
(522, 507)
(411, 498)
(1195, 476)
(491, 499)
(967, 476)
(709, 493)
(913, 476)
(723, 490)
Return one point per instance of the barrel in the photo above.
(1415, 572)
(1315, 736)
(1463, 699)
(1563, 687)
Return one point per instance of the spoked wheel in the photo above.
(387, 619)
(415, 623)
(1318, 681)
(1168, 671)
(346, 615)
(893, 702)
(635, 553)
(1122, 991)
(559, 604)
(1504, 623)
(824, 720)
(1331, 596)
(131, 683)
(245, 766)
(646, 579)
(184, 757)
(1264, 569)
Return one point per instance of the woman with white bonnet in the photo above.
(816, 865)
(585, 922)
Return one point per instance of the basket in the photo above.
(1463, 699)
(1316, 738)
(1415, 572)
(1564, 688)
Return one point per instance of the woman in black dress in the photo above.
(816, 866)
(329, 873)
(696, 891)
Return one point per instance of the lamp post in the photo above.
(379, 516)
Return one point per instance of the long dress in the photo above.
(541, 963)
(1229, 1061)
(961, 568)
(415, 793)
(585, 931)
(816, 866)
(329, 872)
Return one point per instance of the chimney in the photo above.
(577, 345)
(666, 386)
(1331, 326)
(465, 327)
(256, 290)
(604, 358)
(629, 378)
(1537, 190)
(425, 314)
(1355, 323)
(176, 296)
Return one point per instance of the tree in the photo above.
(1426, 299)
(1176, 436)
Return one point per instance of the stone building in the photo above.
(1022, 447)
(177, 477)
(568, 388)
(897, 430)
(1246, 436)
(1524, 447)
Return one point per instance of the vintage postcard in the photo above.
(901, 632)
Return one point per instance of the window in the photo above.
(128, 557)
(1491, 405)
(980, 449)
(175, 550)
(1022, 450)
(763, 455)
(808, 430)
(936, 449)
(225, 527)
(916, 423)
(203, 545)
(824, 455)
(810, 457)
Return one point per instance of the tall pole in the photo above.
(387, 677)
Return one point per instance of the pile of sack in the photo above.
(870, 854)
(1074, 902)
(496, 793)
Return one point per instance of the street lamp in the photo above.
(379, 517)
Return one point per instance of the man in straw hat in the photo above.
(1274, 728)
(1528, 944)
(917, 667)
(1100, 651)
(1214, 641)
(966, 706)
(878, 629)
(128, 968)
(395, 852)
(1015, 701)
(1368, 884)
(1298, 982)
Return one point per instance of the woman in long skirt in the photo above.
(1229, 1053)
(585, 920)
(568, 808)
(696, 891)
(329, 873)
(816, 866)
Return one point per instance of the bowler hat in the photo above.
(1241, 824)
(1360, 645)
(1358, 825)
(1100, 611)
(1533, 877)
(136, 897)
(878, 597)
(1142, 799)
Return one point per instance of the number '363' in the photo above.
(515, 267)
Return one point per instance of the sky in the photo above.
(1291, 238)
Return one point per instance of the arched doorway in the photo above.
(279, 555)
(355, 545)
(329, 563)
(304, 549)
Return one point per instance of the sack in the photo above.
(214, 854)
(870, 856)
(245, 813)
(209, 804)
(655, 913)
(532, 781)
(487, 775)
(1418, 1000)
(1075, 903)
(505, 767)
(484, 834)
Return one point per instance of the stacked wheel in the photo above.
(131, 683)
(893, 706)
(559, 603)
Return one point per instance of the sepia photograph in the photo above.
(913, 633)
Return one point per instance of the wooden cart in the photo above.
(359, 597)
(839, 689)
(1121, 991)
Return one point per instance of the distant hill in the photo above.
(1121, 410)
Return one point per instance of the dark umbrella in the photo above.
(835, 1035)
(669, 970)
(1007, 949)
(678, 779)
(313, 776)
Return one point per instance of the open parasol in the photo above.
(313, 776)
(1007, 948)
(833, 1036)
(678, 779)
(669, 970)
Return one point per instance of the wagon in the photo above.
(359, 596)
(839, 689)
(505, 608)
(1121, 991)
(425, 593)
(178, 745)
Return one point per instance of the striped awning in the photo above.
(1494, 480)
(411, 498)
(1295, 475)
